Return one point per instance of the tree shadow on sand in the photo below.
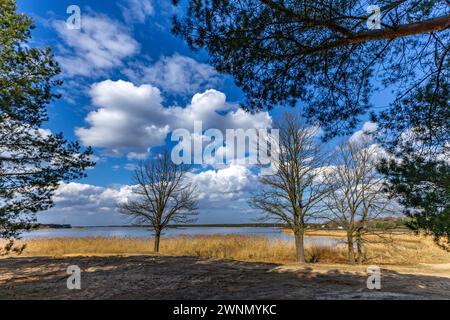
(147, 277)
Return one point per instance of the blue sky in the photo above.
(128, 82)
(155, 41)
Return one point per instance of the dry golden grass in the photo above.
(398, 249)
(238, 247)
(319, 232)
(405, 248)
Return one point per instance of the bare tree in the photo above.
(293, 194)
(356, 193)
(161, 195)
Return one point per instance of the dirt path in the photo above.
(144, 277)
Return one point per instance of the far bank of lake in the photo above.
(274, 233)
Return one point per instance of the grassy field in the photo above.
(396, 249)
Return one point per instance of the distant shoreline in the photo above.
(43, 226)
(283, 227)
(245, 225)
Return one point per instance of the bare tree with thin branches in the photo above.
(293, 194)
(162, 195)
(356, 193)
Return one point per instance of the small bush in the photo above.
(317, 253)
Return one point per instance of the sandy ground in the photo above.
(146, 277)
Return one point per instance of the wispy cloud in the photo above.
(136, 11)
(176, 74)
(101, 45)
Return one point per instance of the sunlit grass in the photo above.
(395, 249)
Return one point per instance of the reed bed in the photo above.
(402, 249)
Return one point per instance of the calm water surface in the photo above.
(136, 232)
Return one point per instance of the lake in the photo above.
(140, 232)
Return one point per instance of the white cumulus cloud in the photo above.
(366, 132)
(130, 119)
(225, 184)
(85, 204)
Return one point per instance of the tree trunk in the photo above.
(351, 249)
(157, 238)
(299, 245)
(359, 247)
